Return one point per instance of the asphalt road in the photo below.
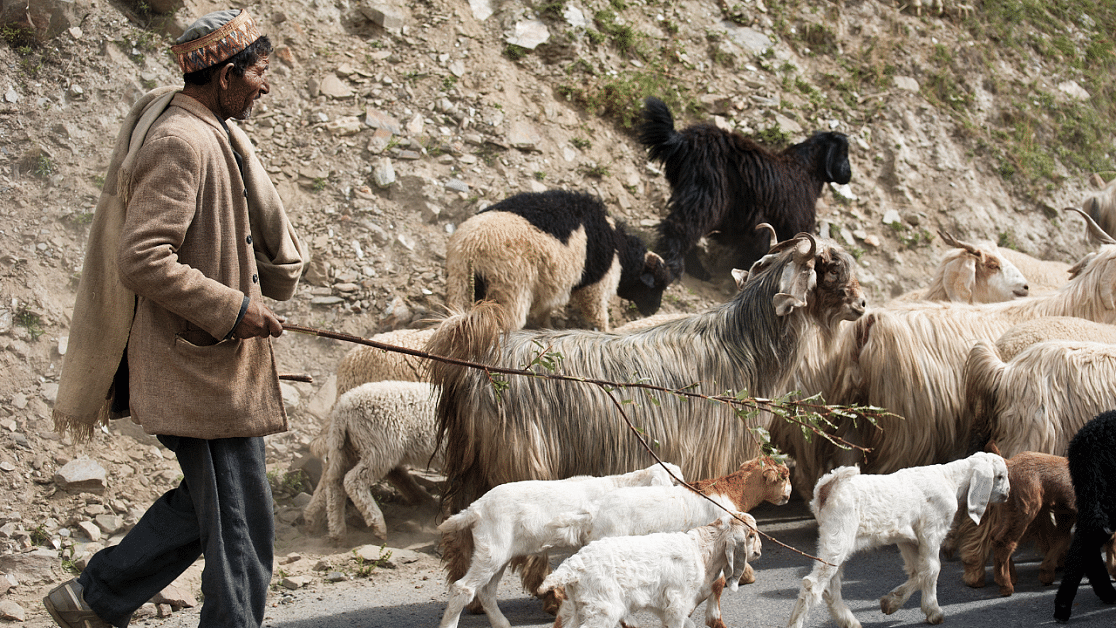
(418, 599)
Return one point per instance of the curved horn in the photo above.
(1094, 228)
(813, 244)
(774, 236)
(950, 240)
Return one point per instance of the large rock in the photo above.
(41, 19)
(81, 475)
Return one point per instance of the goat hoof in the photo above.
(1062, 612)
(1007, 591)
(935, 617)
(889, 604)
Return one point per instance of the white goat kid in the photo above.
(520, 519)
(912, 508)
(669, 574)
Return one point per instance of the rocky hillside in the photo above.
(388, 124)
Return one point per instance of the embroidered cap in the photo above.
(214, 38)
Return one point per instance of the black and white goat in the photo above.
(724, 184)
(536, 251)
(540, 428)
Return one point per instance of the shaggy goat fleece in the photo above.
(1041, 398)
(541, 428)
(536, 251)
(909, 359)
(1092, 465)
(724, 184)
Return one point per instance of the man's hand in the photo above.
(258, 322)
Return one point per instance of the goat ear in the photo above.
(959, 280)
(980, 488)
(740, 276)
(798, 279)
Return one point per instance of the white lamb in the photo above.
(375, 431)
(520, 519)
(668, 573)
(912, 508)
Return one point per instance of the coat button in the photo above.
(248, 239)
(255, 278)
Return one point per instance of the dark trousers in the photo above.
(222, 509)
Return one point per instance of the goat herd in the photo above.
(992, 376)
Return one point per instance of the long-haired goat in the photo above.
(1039, 399)
(542, 428)
(1041, 506)
(1092, 465)
(724, 184)
(908, 358)
(536, 251)
(912, 508)
(1102, 207)
(972, 273)
(1043, 276)
(968, 273)
(1018, 337)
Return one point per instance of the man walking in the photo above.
(170, 327)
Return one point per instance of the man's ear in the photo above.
(224, 76)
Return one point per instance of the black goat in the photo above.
(1092, 465)
(724, 184)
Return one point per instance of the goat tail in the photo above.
(457, 544)
(982, 375)
(557, 581)
(974, 544)
(472, 336)
(827, 483)
(657, 131)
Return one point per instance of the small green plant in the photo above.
(19, 38)
(30, 321)
(39, 535)
(449, 82)
(364, 568)
(918, 238)
(318, 185)
(43, 166)
(554, 10)
(597, 172)
(514, 52)
(581, 143)
(539, 175)
(772, 136)
(855, 251)
(288, 484)
(99, 181)
(1006, 240)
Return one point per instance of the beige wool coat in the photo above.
(186, 250)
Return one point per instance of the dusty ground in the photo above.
(470, 126)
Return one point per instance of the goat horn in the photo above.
(813, 244)
(959, 244)
(774, 236)
(1094, 228)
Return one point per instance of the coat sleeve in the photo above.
(162, 208)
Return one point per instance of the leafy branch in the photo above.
(811, 414)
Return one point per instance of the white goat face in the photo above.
(988, 483)
(997, 280)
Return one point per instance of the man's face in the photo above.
(242, 92)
